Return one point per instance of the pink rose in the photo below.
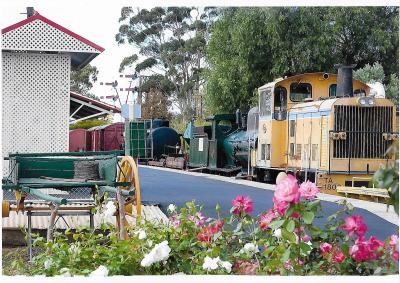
(338, 257)
(374, 243)
(242, 204)
(325, 248)
(396, 255)
(306, 238)
(361, 252)
(266, 219)
(280, 206)
(394, 239)
(308, 190)
(295, 215)
(198, 219)
(175, 221)
(288, 265)
(287, 190)
(355, 224)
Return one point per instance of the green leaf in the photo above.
(217, 235)
(286, 255)
(305, 248)
(313, 203)
(289, 236)
(314, 231)
(276, 224)
(289, 210)
(308, 217)
(345, 250)
(290, 226)
(75, 236)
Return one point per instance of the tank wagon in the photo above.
(327, 128)
(150, 140)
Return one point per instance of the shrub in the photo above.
(283, 240)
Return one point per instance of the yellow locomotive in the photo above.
(326, 128)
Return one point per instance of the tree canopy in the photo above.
(171, 46)
(252, 46)
(82, 80)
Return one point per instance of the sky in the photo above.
(99, 23)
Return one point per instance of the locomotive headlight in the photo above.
(362, 101)
(371, 101)
(342, 135)
(387, 136)
(334, 136)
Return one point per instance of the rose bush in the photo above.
(283, 240)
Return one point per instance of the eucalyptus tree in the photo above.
(82, 80)
(171, 43)
(252, 46)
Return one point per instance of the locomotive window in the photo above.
(291, 150)
(265, 102)
(359, 93)
(332, 90)
(307, 152)
(280, 101)
(225, 126)
(314, 152)
(298, 150)
(292, 128)
(300, 91)
(268, 152)
(263, 151)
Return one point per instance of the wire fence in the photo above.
(80, 194)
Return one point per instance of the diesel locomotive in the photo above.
(327, 128)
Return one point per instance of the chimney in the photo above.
(30, 12)
(344, 80)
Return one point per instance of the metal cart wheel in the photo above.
(128, 172)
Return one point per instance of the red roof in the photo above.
(37, 16)
(95, 102)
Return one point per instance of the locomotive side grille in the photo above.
(364, 127)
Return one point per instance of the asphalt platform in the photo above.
(166, 186)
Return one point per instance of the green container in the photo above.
(199, 152)
(136, 134)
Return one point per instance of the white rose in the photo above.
(160, 252)
(149, 243)
(100, 271)
(73, 249)
(65, 272)
(210, 263)
(110, 209)
(278, 233)
(48, 263)
(142, 235)
(171, 208)
(250, 248)
(227, 265)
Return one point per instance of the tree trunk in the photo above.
(121, 210)
(53, 215)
